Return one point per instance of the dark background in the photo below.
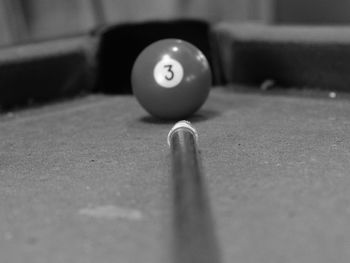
(23, 20)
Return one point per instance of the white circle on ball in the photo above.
(168, 72)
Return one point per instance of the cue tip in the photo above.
(182, 125)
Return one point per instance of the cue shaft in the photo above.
(194, 239)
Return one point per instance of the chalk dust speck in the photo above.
(111, 212)
(332, 95)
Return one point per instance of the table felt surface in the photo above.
(87, 180)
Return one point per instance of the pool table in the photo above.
(86, 179)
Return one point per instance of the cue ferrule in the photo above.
(182, 125)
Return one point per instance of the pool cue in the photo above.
(194, 240)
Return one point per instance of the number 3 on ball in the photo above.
(168, 72)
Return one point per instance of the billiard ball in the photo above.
(171, 79)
